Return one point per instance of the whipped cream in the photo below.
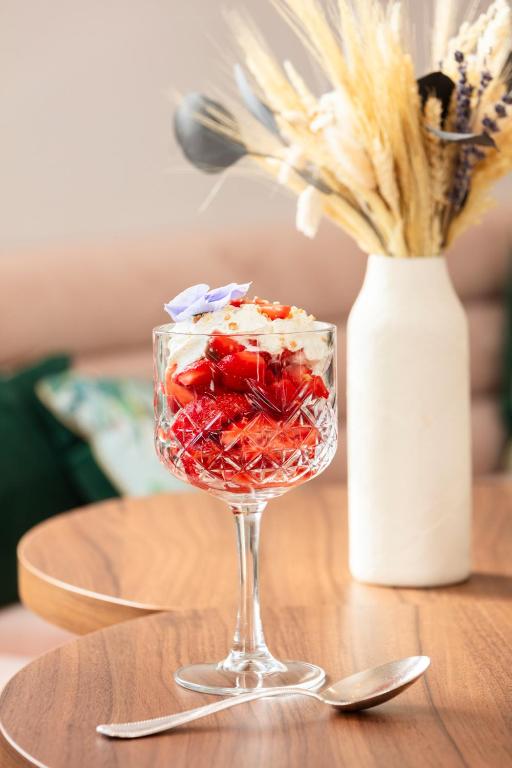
(189, 340)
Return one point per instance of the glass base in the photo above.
(213, 678)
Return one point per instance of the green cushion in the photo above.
(44, 467)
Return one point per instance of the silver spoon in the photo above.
(360, 691)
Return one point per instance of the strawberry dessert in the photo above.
(245, 393)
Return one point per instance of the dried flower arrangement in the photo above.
(404, 165)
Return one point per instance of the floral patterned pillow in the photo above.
(115, 416)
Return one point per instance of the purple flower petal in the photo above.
(238, 290)
(186, 299)
(199, 299)
(218, 298)
(217, 294)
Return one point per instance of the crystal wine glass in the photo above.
(248, 421)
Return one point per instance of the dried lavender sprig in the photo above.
(486, 79)
(469, 158)
(465, 163)
(491, 124)
(464, 93)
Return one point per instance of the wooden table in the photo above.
(127, 558)
(134, 558)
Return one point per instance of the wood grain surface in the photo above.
(130, 557)
(459, 715)
(109, 563)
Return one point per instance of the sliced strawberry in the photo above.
(287, 356)
(190, 466)
(275, 311)
(302, 436)
(177, 395)
(245, 300)
(303, 378)
(280, 396)
(171, 370)
(221, 345)
(200, 454)
(264, 436)
(236, 370)
(318, 387)
(198, 375)
(293, 365)
(208, 415)
(206, 463)
(297, 357)
(299, 374)
(297, 369)
(283, 396)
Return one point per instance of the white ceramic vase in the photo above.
(409, 449)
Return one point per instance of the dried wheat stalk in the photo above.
(380, 171)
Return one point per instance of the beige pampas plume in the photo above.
(309, 211)
(396, 19)
(305, 95)
(445, 18)
(376, 153)
(293, 158)
(337, 120)
(495, 44)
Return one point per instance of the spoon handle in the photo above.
(147, 727)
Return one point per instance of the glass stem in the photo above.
(249, 652)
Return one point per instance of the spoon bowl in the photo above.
(374, 686)
(360, 691)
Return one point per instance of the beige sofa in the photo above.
(100, 303)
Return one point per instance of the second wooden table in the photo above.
(130, 557)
